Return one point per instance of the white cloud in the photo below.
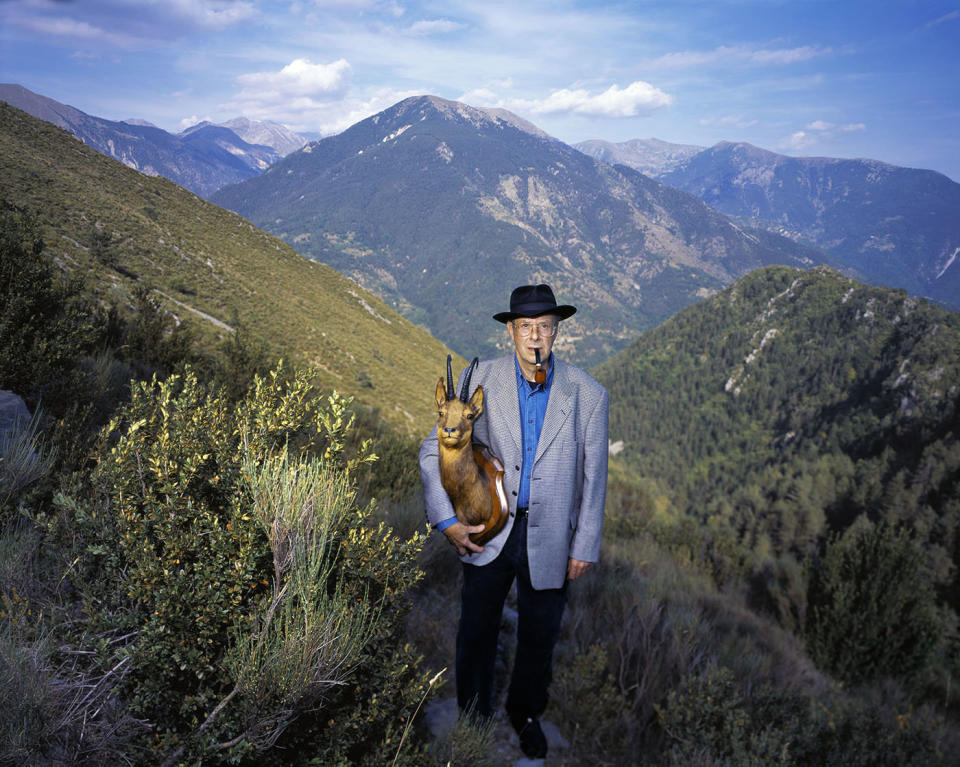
(211, 13)
(818, 133)
(725, 121)
(826, 127)
(324, 113)
(637, 98)
(786, 56)
(299, 78)
(480, 97)
(952, 16)
(738, 54)
(797, 141)
(303, 95)
(73, 30)
(390, 7)
(187, 122)
(434, 27)
(127, 24)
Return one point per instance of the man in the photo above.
(552, 440)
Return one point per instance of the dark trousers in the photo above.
(539, 614)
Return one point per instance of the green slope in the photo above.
(211, 268)
(784, 408)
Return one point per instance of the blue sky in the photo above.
(837, 78)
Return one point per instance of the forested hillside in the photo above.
(795, 421)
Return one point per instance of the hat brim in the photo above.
(563, 311)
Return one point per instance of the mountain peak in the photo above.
(651, 156)
(477, 116)
(745, 151)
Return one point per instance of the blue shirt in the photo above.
(533, 409)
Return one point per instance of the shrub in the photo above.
(711, 719)
(256, 591)
(44, 322)
(871, 608)
(467, 744)
(153, 339)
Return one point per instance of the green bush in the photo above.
(711, 719)
(44, 323)
(871, 606)
(253, 587)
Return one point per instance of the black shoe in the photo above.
(533, 742)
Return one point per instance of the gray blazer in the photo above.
(569, 479)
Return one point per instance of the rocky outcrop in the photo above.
(13, 413)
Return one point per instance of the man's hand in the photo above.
(459, 536)
(576, 568)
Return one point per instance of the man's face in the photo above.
(529, 334)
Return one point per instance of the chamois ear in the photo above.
(476, 401)
(441, 394)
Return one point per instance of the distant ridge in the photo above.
(201, 162)
(895, 226)
(650, 156)
(274, 135)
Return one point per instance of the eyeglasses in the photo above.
(543, 328)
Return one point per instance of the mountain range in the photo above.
(202, 158)
(500, 196)
(889, 225)
(652, 156)
(441, 208)
(119, 230)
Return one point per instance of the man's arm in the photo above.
(585, 547)
(437, 504)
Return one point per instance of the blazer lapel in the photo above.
(559, 407)
(506, 416)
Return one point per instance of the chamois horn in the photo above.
(450, 389)
(465, 389)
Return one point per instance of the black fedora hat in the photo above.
(533, 301)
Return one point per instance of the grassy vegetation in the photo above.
(120, 230)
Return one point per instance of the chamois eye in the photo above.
(470, 416)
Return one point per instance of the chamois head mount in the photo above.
(457, 414)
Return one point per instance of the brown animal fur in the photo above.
(468, 472)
